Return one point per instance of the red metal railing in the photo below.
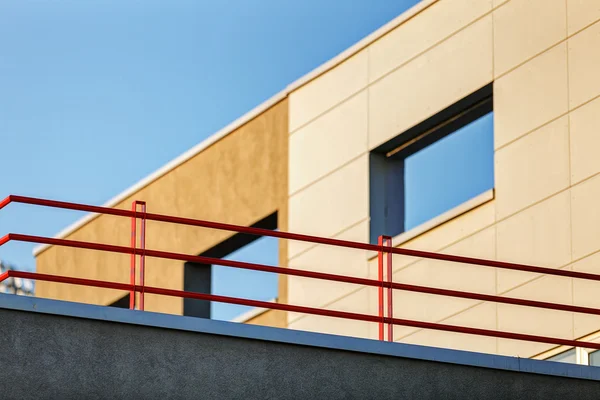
(383, 248)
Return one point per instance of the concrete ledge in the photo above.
(301, 338)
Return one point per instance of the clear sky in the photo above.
(95, 95)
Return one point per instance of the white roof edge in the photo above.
(171, 165)
(323, 68)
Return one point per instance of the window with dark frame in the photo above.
(433, 167)
(226, 281)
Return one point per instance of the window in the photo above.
(569, 356)
(234, 282)
(594, 359)
(433, 167)
(244, 283)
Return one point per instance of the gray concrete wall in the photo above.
(57, 350)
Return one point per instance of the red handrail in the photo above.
(297, 272)
(298, 237)
(300, 309)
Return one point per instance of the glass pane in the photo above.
(595, 359)
(236, 282)
(449, 172)
(568, 356)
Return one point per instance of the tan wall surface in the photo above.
(543, 57)
(240, 179)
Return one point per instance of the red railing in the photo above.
(383, 249)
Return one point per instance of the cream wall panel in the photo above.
(536, 321)
(333, 260)
(532, 168)
(446, 275)
(331, 205)
(443, 235)
(482, 316)
(584, 64)
(328, 142)
(455, 276)
(327, 90)
(582, 13)
(435, 23)
(539, 235)
(585, 141)
(524, 28)
(585, 293)
(362, 301)
(499, 2)
(448, 72)
(425, 307)
(531, 95)
(585, 209)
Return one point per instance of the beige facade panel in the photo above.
(532, 168)
(539, 235)
(497, 3)
(240, 179)
(585, 211)
(582, 13)
(333, 260)
(328, 90)
(328, 142)
(416, 35)
(442, 236)
(585, 141)
(425, 307)
(535, 321)
(363, 301)
(331, 205)
(585, 293)
(446, 275)
(455, 276)
(525, 28)
(531, 95)
(584, 64)
(451, 70)
(482, 316)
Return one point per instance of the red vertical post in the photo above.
(380, 289)
(388, 242)
(132, 259)
(143, 255)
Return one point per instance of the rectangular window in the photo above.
(234, 282)
(594, 359)
(433, 167)
(569, 356)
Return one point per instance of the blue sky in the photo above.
(95, 95)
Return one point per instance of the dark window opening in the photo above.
(123, 302)
(227, 281)
(433, 167)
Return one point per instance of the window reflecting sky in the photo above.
(449, 172)
(242, 283)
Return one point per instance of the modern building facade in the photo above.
(348, 152)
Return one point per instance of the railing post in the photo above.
(385, 241)
(132, 258)
(143, 255)
(380, 289)
(132, 272)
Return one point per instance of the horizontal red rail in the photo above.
(300, 309)
(295, 236)
(298, 272)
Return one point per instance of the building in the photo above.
(329, 156)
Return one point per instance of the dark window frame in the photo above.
(386, 162)
(197, 277)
